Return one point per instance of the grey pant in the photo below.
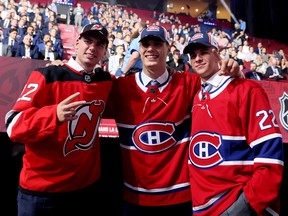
(240, 207)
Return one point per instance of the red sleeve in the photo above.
(264, 137)
(33, 113)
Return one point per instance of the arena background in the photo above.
(265, 19)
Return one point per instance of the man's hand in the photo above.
(230, 67)
(57, 63)
(66, 108)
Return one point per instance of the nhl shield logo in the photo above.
(87, 78)
(283, 114)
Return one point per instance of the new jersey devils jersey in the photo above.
(235, 146)
(153, 124)
(65, 156)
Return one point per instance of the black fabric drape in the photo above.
(264, 18)
(157, 5)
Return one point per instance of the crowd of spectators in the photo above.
(28, 31)
(22, 18)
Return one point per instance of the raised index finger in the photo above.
(70, 98)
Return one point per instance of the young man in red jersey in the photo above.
(236, 151)
(154, 123)
(56, 117)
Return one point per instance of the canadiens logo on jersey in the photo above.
(83, 130)
(204, 150)
(283, 114)
(154, 137)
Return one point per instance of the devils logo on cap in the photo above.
(96, 27)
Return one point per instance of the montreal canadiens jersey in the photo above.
(153, 125)
(235, 146)
(59, 157)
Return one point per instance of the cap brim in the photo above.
(152, 36)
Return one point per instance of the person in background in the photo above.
(132, 61)
(176, 63)
(253, 73)
(56, 117)
(78, 13)
(53, 6)
(274, 71)
(238, 36)
(242, 24)
(115, 61)
(10, 44)
(235, 155)
(26, 49)
(258, 49)
(94, 10)
(48, 54)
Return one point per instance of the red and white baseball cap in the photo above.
(201, 38)
(155, 31)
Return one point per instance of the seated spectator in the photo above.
(239, 61)
(10, 44)
(165, 19)
(265, 55)
(246, 47)
(181, 43)
(170, 54)
(251, 56)
(223, 53)
(127, 40)
(258, 49)
(57, 43)
(176, 63)
(221, 39)
(118, 39)
(48, 54)
(177, 20)
(280, 54)
(154, 15)
(261, 64)
(240, 54)
(13, 24)
(111, 47)
(273, 71)
(5, 23)
(41, 45)
(284, 66)
(116, 61)
(34, 36)
(26, 49)
(22, 27)
(253, 73)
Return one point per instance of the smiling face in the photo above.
(90, 50)
(153, 53)
(204, 61)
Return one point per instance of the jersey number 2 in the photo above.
(33, 87)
